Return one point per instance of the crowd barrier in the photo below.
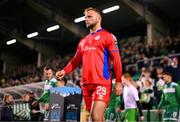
(70, 111)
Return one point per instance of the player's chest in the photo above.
(93, 43)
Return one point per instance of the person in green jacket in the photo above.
(170, 99)
(111, 114)
(50, 82)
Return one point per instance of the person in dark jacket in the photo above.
(34, 109)
(7, 111)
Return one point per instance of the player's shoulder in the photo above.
(82, 41)
(108, 34)
(174, 84)
(85, 38)
(53, 80)
(133, 88)
(104, 31)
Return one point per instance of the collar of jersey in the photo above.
(96, 31)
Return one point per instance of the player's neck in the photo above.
(95, 28)
(168, 81)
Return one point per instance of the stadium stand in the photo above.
(146, 51)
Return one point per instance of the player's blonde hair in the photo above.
(93, 9)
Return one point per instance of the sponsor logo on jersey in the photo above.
(86, 48)
(97, 37)
(169, 90)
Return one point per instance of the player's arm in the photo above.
(178, 93)
(117, 101)
(75, 61)
(140, 110)
(161, 104)
(43, 97)
(119, 105)
(136, 97)
(115, 56)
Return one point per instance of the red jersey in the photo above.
(95, 51)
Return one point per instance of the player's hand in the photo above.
(118, 110)
(46, 107)
(118, 88)
(60, 74)
(34, 111)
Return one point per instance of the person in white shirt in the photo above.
(131, 100)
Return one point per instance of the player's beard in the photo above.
(91, 26)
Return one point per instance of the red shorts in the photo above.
(95, 92)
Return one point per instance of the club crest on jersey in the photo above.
(97, 37)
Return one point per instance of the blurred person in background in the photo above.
(164, 62)
(34, 109)
(174, 69)
(170, 99)
(7, 110)
(146, 84)
(50, 82)
(24, 112)
(114, 103)
(26, 98)
(95, 51)
(159, 84)
(132, 105)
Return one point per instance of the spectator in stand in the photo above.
(174, 69)
(24, 114)
(34, 109)
(7, 111)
